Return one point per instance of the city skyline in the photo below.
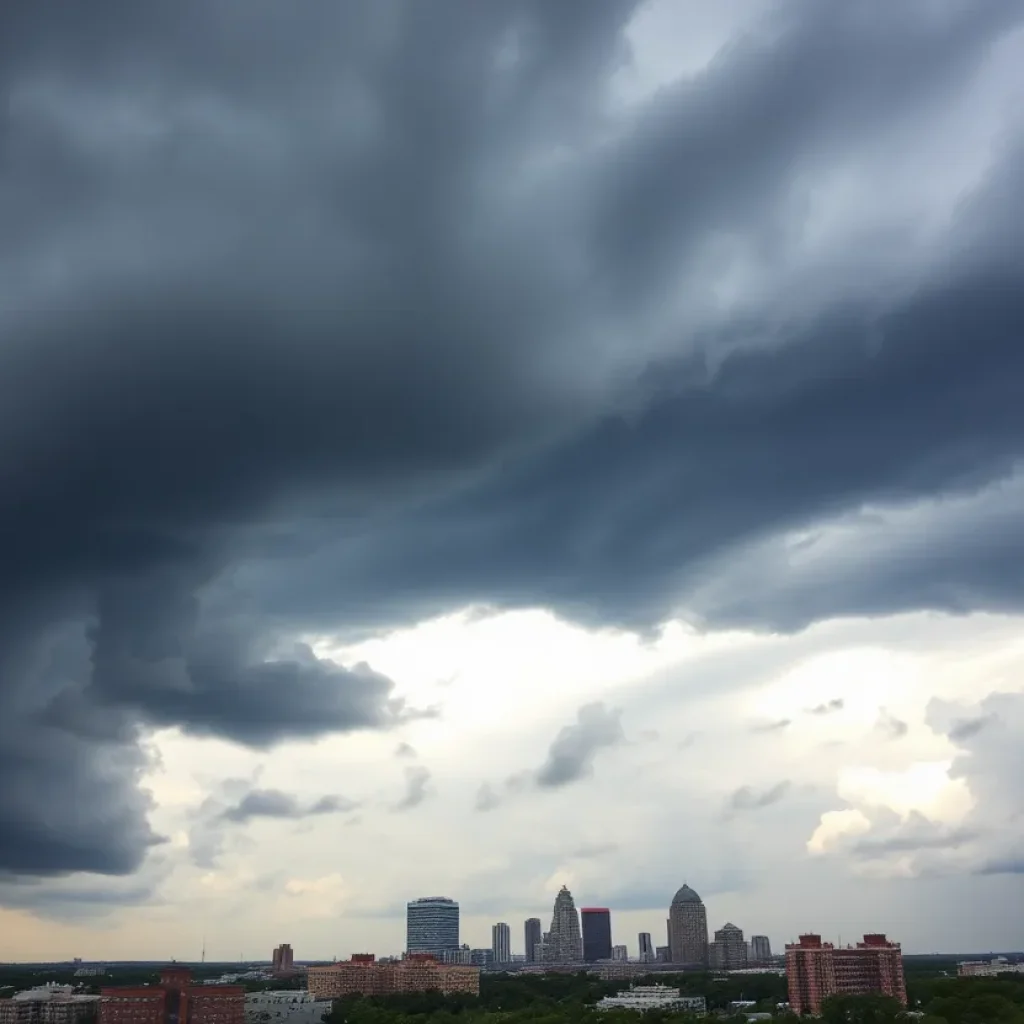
(479, 447)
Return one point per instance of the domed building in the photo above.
(688, 929)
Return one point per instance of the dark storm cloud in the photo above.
(273, 803)
(316, 329)
(747, 798)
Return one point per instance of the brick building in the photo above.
(174, 1001)
(363, 975)
(817, 970)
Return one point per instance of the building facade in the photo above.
(816, 970)
(688, 929)
(50, 1004)
(563, 944)
(596, 923)
(643, 998)
(282, 958)
(432, 925)
(368, 977)
(729, 950)
(645, 945)
(760, 949)
(501, 943)
(284, 1007)
(174, 1001)
(531, 936)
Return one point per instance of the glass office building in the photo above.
(432, 925)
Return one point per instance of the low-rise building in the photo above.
(988, 968)
(655, 997)
(48, 1004)
(363, 975)
(288, 1006)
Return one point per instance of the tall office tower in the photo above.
(816, 970)
(283, 959)
(729, 950)
(647, 952)
(501, 943)
(597, 933)
(563, 944)
(532, 936)
(688, 928)
(432, 925)
(760, 949)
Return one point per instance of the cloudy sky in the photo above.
(461, 448)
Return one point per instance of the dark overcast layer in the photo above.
(342, 316)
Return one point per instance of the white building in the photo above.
(654, 997)
(988, 968)
(501, 943)
(291, 1005)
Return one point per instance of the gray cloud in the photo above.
(830, 706)
(920, 835)
(571, 755)
(405, 750)
(338, 365)
(417, 788)
(964, 728)
(890, 726)
(777, 726)
(747, 798)
(272, 803)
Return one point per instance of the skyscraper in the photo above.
(760, 949)
(729, 950)
(817, 970)
(647, 952)
(501, 943)
(688, 928)
(564, 943)
(282, 957)
(432, 925)
(597, 933)
(532, 937)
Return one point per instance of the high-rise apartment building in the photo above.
(282, 958)
(368, 977)
(729, 950)
(501, 943)
(620, 954)
(174, 1001)
(596, 924)
(532, 936)
(646, 947)
(688, 928)
(760, 949)
(432, 925)
(563, 944)
(817, 970)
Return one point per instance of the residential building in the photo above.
(563, 944)
(462, 955)
(501, 943)
(175, 1000)
(48, 1004)
(988, 968)
(729, 950)
(688, 929)
(646, 947)
(282, 959)
(532, 938)
(481, 957)
(416, 973)
(817, 970)
(284, 1007)
(596, 924)
(620, 954)
(655, 997)
(760, 949)
(663, 955)
(432, 925)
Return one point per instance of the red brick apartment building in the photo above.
(174, 1001)
(363, 975)
(817, 970)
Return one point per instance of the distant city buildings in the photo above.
(501, 943)
(620, 954)
(363, 975)
(284, 1007)
(563, 944)
(729, 950)
(688, 929)
(646, 948)
(988, 968)
(760, 949)
(643, 998)
(49, 1004)
(532, 938)
(596, 923)
(282, 959)
(462, 955)
(817, 970)
(432, 925)
(176, 1000)
(663, 955)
